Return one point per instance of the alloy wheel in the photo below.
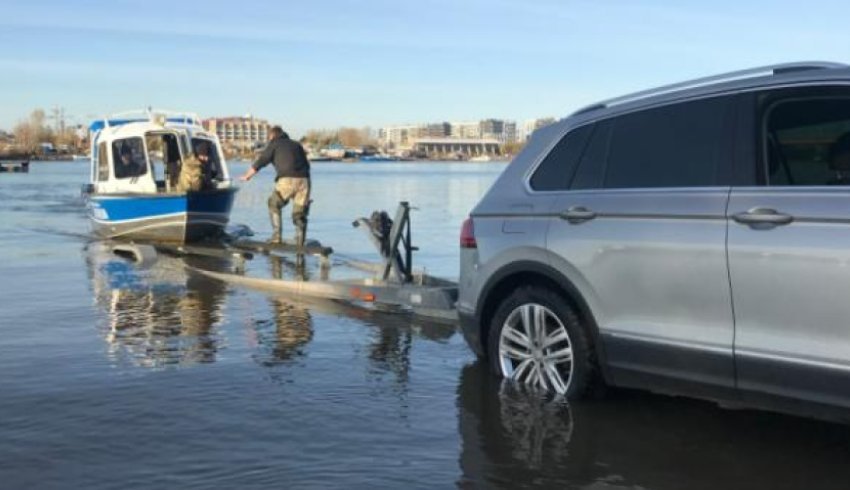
(535, 348)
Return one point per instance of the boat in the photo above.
(481, 158)
(318, 157)
(334, 151)
(134, 192)
(14, 166)
(378, 158)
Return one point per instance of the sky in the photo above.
(329, 63)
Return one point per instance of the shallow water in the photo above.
(116, 376)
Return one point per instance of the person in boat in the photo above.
(199, 170)
(191, 175)
(292, 182)
(210, 172)
(127, 166)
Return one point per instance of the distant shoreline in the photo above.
(318, 162)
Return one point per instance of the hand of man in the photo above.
(248, 174)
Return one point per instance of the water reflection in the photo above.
(290, 269)
(389, 352)
(157, 313)
(283, 338)
(513, 438)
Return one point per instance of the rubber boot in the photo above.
(301, 235)
(274, 215)
(299, 219)
(275, 206)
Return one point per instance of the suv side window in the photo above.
(591, 170)
(557, 168)
(679, 145)
(806, 141)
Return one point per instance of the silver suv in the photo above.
(692, 239)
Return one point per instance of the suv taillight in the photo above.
(467, 235)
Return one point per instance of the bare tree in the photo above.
(350, 137)
(33, 131)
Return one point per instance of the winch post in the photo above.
(400, 236)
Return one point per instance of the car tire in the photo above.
(536, 338)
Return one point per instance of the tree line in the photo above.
(31, 132)
(345, 136)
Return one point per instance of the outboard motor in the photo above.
(380, 224)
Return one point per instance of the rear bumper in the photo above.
(471, 330)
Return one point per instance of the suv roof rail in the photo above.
(777, 69)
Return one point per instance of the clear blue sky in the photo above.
(325, 63)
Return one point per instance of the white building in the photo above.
(456, 147)
(466, 129)
(529, 126)
(400, 137)
(238, 131)
(510, 133)
(501, 130)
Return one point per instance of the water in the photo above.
(113, 376)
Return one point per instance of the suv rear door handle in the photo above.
(763, 216)
(577, 214)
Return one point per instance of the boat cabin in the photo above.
(146, 152)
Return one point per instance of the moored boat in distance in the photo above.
(378, 157)
(14, 167)
(318, 157)
(141, 162)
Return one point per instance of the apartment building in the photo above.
(404, 137)
(529, 126)
(238, 131)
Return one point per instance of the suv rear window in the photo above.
(674, 146)
(557, 169)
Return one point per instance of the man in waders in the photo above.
(291, 183)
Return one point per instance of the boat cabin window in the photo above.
(128, 157)
(102, 163)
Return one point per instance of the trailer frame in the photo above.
(395, 285)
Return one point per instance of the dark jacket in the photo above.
(288, 157)
(210, 174)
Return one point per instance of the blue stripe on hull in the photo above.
(112, 208)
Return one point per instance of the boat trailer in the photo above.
(394, 284)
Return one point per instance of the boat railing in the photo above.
(154, 115)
